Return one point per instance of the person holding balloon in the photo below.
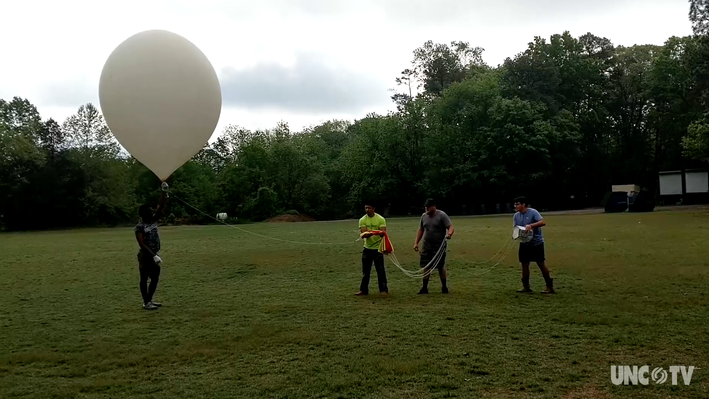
(148, 237)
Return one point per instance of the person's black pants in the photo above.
(370, 256)
(148, 270)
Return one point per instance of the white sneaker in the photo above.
(156, 303)
(149, 306)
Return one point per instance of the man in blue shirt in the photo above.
(532, 250)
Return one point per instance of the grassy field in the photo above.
(247, 317)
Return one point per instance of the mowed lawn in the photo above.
(248, 317)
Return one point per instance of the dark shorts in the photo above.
(529, 254)
(426, 258)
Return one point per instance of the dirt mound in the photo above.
(290, 218)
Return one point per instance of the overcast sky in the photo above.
(301, 61)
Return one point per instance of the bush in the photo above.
(263, 206)
(292, 212)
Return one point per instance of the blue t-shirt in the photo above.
(529, 217)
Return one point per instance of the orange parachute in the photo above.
(385, 246)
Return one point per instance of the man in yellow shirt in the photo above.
(370, 253)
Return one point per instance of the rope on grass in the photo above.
(423, 273)
(261, 235)
(426, 270)
(503, 248)
(508, 248)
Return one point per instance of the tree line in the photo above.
(559, 123)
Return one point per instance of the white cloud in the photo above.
(308, 86)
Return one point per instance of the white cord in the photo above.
(263, 236)
(423, 273)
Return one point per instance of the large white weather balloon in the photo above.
(161, 98)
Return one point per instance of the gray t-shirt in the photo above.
(529, 217)
(435, 229)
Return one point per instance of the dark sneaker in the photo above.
(423, 291)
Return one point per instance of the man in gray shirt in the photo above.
(434, 227)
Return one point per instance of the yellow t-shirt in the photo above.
(376, 222)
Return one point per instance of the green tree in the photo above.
(676, 101)
(436, 66)
(699, 16)
(86, 129)
(105, 175)
(52, 138)
(20, 161)
(696, 142)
